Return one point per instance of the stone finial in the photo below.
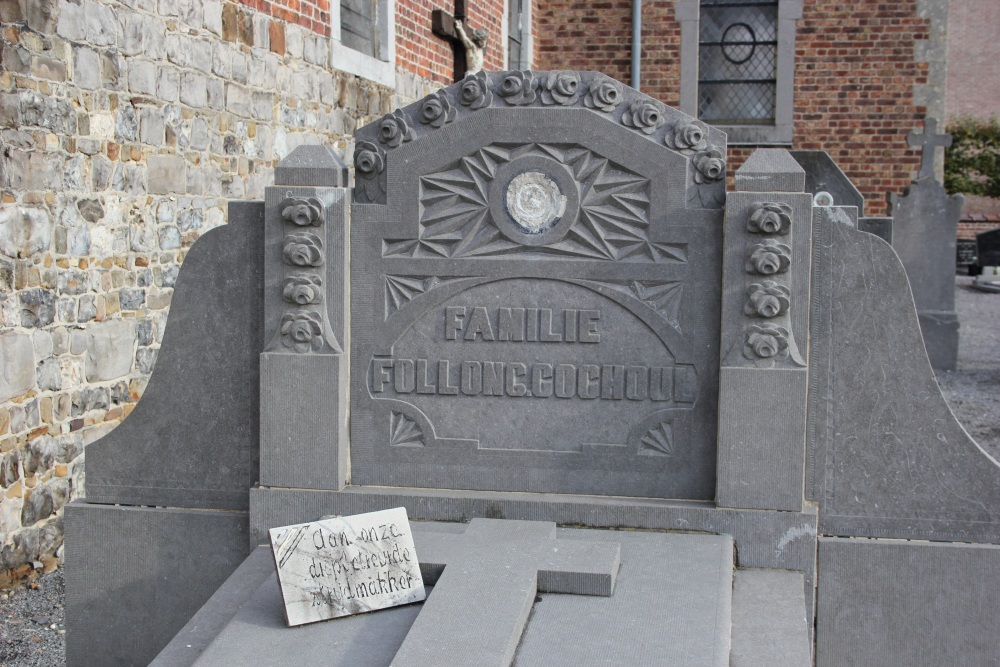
(770, 170)
(316, 166)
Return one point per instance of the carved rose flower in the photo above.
(767, 299)
(709, 166)
(368, 159)
(763, 342)
(518, 88)
(303, 249)
(302, 332)
(561, 88)
(369, 163)
(302, 212)
(394, 130)
(687, 136)
(475, 92)
(303, 290)
(769, 258)
(770, 218)
(645, 115)
(604, 94)
(437, 110)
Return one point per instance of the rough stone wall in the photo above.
(126, 128)
(861, 76)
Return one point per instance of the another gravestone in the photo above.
(823, 175)
(925, 227)
(988, 248)
(966, 259)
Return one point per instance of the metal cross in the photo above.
(928, 141)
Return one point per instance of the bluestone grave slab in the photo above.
(193, 439)
(671, 605)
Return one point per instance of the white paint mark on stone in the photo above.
(535, 202)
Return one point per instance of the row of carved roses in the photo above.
(302, 331)
(522, 88)
(767, 299)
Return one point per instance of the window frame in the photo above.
(527, 37)
(380, 69)
(781, 132)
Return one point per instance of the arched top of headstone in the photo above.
(564, 108)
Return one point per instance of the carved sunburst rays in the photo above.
(658, 441)
(614, 213)
(400, 290)
(404, 432)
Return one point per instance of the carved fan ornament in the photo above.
(595, 92)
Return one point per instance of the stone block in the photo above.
(100, 24)
(110, 349)
(49, 375)
(142, 77)
(42, 15)
(24, 231)
(17, 364)
(213, 17)
(921, 604)
(194, 89)
(166, 174)
(168, 83)
(186, 555)
(151, 126)
(10, 110)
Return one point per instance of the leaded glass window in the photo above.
(516, 58)
(737, 61)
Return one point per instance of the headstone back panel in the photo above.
(535, 291)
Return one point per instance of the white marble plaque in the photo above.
(347, 565)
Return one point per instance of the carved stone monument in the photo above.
(925, 227)
(553, 315)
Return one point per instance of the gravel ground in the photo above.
(973, 391)
(32, 633)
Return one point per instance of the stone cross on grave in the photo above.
(443, 26)
(491, 574)
(928, 141)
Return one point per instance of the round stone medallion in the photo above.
(535, 202)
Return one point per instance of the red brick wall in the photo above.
(973, 57)
(854, 75)
(967, 229)
(419, 51)
(310, 14)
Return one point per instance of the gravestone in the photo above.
(988, 248)
(560, 329)
(925, 227)
(823, 175)
(966, 259)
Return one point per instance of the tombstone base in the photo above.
(940, 331)
(672, 605)
(135, 575)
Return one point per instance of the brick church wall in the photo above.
(857, 73)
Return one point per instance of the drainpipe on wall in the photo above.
(636, 42)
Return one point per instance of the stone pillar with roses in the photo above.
(303, 369)
(765, 320)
